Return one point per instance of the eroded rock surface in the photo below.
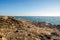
(12, 28)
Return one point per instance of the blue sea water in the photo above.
(48, 19)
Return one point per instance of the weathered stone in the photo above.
(5, 17)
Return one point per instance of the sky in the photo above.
(30, 7)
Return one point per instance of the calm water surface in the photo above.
(49, 19)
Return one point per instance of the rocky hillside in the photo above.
(12, 28)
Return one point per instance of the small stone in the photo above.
(0, 36)
(29, 34)
(16, 30)
(48, 36)
(54, 33)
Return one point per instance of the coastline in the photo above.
(12, 28)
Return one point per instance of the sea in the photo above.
(55, 20)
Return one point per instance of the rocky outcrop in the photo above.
(12, 28)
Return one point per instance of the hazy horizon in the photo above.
(30, 7)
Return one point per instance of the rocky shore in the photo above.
(12, 28)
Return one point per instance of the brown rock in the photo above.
(5, 17)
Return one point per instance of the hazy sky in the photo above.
(30, 7)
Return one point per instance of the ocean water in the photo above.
(48, 19)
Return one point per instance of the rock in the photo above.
(41, 37)
(48, 37)
(54, 33)
(12, 28)
(3, 38)
(58, 25)
(16, 31)
(5, 17)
